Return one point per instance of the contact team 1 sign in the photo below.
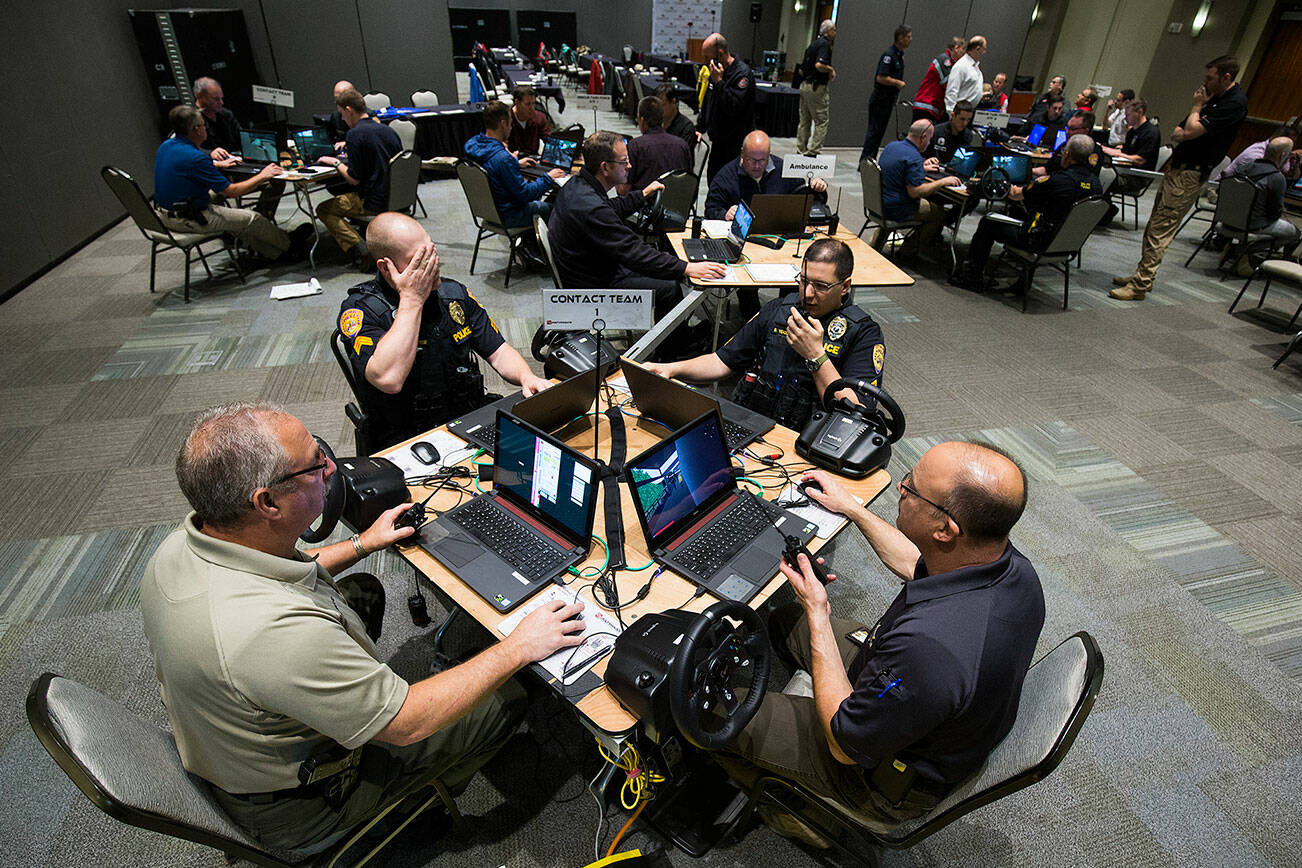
(584, 309)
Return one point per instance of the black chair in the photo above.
(1235, 198)
(363, 436)
(1061, 249)
(870, 177)
(131, 770)
(1057, 696)
(156, 233)
(484, 213)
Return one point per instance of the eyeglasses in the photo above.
(906, 486)
(321, 464)
(616, 162)
(817, 285)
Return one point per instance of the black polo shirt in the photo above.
(890, 64)
(938, 682)
(683, 128)
(819, 51)
(944, 142)
(370, 146)
(1144, 141)
(223, 132)
(1221, 117)
(655, 152)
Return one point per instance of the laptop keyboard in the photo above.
(716, 250)
(729, 533)
(736, 436)
(508, 539)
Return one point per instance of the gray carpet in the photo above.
(1164, 456)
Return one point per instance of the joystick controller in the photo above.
(794, 548)
(413, 517)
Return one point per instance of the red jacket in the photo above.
(931, 93)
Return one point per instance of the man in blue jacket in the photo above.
(517, 200)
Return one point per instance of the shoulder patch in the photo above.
(350, 321)
(879, 356)
(1094, 159)
(741, 83)
(886, 58)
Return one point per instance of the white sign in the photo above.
(579, 309)
(800, 166)
(998, 120)
(590, 102)
(273, 96)
(1103, 90)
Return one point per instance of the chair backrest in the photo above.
(1057, 696)
(376, 101)
(1107, 177)
(133, 199)
(637, 88)
(680, 191)
(870, 177)
(479, 193)
(424, 99)
(1234, 200)
(406, 131)
(404, 176)
(1163, 154)
(1081, 220)
(703, 149)
(130, 769)
(545, 242)
(339, 346)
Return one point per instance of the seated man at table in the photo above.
(1079, 124)
(897, 719)
(336, 126)
(756, 171)
(675, 122)
(413, 335)
(905, 187)
(797, 344)
(1049, 114)
(594, 248)
(1267, 175)
(185, 180)
(529, 126)
(517, 200)
(657, 150)
(365, 165)
(267, 662)
(953, 134)
(223, 139)
(1139, 150)
(1048, 200)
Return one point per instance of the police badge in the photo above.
(836, 329)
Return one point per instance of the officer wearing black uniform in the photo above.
(881, 104)
(1078, 123)
(1048, 199)
(445, 381)
(728, 112)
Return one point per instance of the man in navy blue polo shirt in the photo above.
(906, 709)
(185, 179)
(905, 187)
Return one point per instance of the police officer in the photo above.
(1081, 122)
(728, 111)
(789, 356)
(1048, 199)
(886, 87)
(412, 337)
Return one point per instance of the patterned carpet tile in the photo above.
(1287, 407)
(135, 497)
(196, 392)
(57, 367)
(118, 399)
(1193, 429)
(1209, 493)
(42, 506)
(36, 405)
(99, 445)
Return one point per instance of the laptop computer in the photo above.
(313, 144)
(699, 523)
(725, 250)
(510, 542)
(963, 163)
(782, 214)
(558, 153)
(1032, 140)
(258, 147)
(673, 405)
(1059, 139)
(1016, 166)
(549, 410)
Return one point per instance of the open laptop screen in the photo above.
(964, 163)
(1037, 133)
(1059, 139)
(679, 475)
(257, 145)
(559, 152)
(740, 224)
(1015, 166)
(541, 472)
(313, 143)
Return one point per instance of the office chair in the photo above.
(1062, 248)
(1235, 198)
(680, 192)
(1287, 270)
(483, 211)
(362, 437)
(156, 233)
(544, 241)
(870, 177)
(1057, 697)
(131, 770)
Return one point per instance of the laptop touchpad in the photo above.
(457, 551)
(756, 564)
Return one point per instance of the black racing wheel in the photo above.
(334, 503)
(709, 705)
(995, 184)
(893, 415)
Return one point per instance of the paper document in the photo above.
(729, 276)
(716, 228)
(779, 273)
(828, 522)
(620, 384)
(599, 633)
(295, 290)
(451, 449)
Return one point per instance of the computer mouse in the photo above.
(425, 452)
(808, 484)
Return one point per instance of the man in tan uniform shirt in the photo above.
(264, 660)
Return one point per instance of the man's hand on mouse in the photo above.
(420, 278)
(546, 630)
(706, 270)
(382, 534)
(834, 497)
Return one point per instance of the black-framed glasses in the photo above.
(817, 285)
(321, 464)
(906, 485)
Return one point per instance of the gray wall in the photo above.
(865, 30)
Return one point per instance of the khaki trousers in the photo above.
(263, 237)
(334, 213)
(811, 132)
(1179, 191)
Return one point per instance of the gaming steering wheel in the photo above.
(888, 412)
(711, 652)
(995, 184)
(334, 503)
(651, 216)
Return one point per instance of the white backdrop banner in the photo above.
(673, 22)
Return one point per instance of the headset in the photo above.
(848, 438)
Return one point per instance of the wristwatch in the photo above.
(816, 363)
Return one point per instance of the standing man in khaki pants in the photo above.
(1201, 141)
(814, 94)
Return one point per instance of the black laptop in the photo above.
(721, 250)
(549, 410)
(313, 144)
(556, 154)
(699, 523)
(673, 405)
(506, 545)
(259, 147)
(784, 214)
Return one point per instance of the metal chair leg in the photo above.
(187, 275)
(1206, 236)
(474, 257)
(510, 260)
(1066, 283)
(198, 248)
(1295, 314)
(153, 264)
(1292, 345)
(443, 629)
(1264, 290)
(1239, 297)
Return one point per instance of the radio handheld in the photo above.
(848, 438)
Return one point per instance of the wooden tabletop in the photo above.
(669, 591)
(870, 267)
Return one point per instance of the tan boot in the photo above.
(1121, 281)
(1129, 292)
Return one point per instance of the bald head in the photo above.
(983, 488)
(396, 237)
(341, 86)
(920, 133)
(715, 47)
(1278, 149)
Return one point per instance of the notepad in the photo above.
(778, 273)
(600, 631)
(716, 228)
(295, 290)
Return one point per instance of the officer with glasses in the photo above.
(904, 710)
(797, 344)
